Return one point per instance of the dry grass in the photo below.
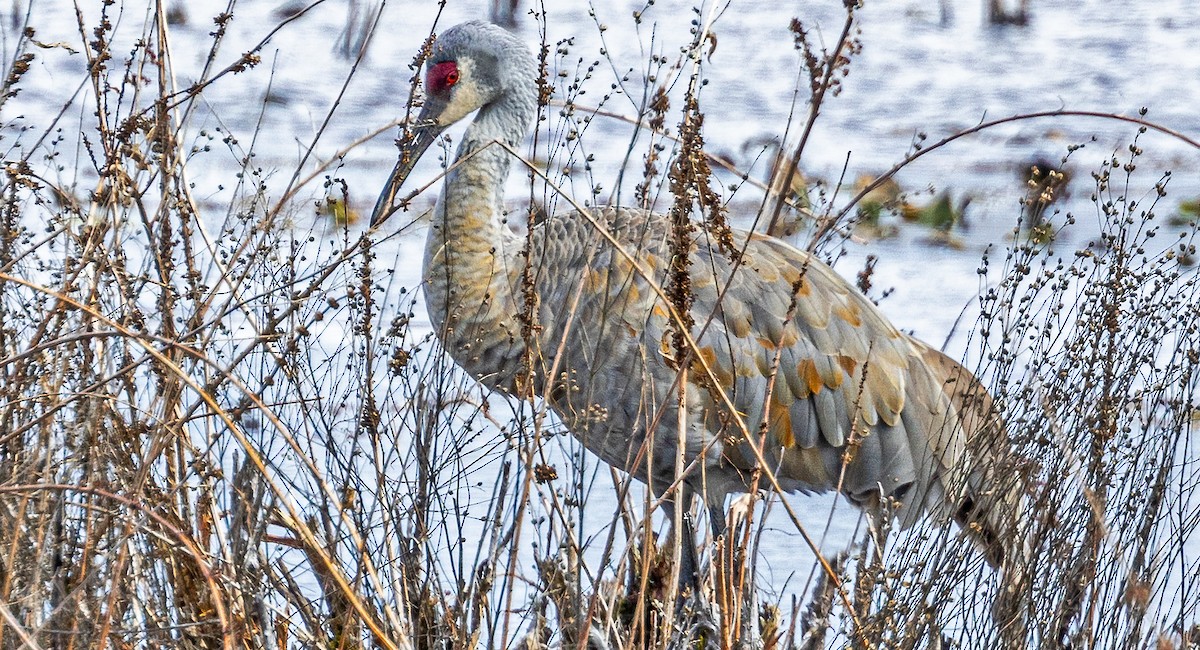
(216, 432)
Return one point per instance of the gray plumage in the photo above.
(922, 426)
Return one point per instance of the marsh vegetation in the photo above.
(225, 422)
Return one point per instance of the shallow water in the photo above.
(917, 73)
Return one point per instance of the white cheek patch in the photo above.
(463, 96)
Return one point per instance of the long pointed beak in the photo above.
(416, 140)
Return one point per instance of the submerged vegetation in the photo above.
(222, 428)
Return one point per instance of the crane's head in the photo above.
(470, 65)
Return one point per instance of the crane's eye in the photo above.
(441, 77)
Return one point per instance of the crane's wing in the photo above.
(843, 399)
(853, 404)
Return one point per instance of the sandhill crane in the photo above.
(923, 427)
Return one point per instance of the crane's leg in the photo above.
(690, 570)
(733, 571)
(685, 536)
(689, 564)
(717, 563)
(691, 603)
(716, 518)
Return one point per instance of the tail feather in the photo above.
(990, 510)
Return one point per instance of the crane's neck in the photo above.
(471, 265)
